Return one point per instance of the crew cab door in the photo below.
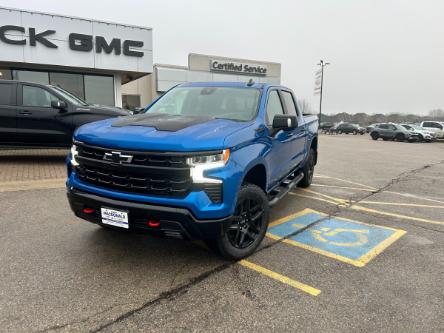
(298, 136)
(8, 109)
(283, 154)
(37, 122)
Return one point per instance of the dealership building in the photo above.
(106, 63)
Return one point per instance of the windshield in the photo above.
(70, 97)
(217, 102)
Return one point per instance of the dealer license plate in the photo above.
(114, 217)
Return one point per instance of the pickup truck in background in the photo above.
(39, 115)
(204, 161)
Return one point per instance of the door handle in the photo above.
(26, 113)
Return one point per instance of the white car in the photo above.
(436, 127)
(424, 134)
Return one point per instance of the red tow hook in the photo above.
(154, 223)
(88, 210)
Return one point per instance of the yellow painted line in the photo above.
(347, 181)
(344, 187)
(289, 217)
(281, 278)
(408, 195)
(32, 184)
(339, 200)
(382, 246)
(316, 198)
(399, 204)
(362, 261)
(400, 216)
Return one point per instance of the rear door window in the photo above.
(289, 103)
(7, 94)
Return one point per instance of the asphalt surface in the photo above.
(59, 273)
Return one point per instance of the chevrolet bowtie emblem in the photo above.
(117, 157)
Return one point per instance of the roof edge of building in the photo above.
(74, 17)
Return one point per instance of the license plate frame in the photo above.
(115, 217)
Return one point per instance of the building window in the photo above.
(31, 76)
(99, 89)
(70, 82)
(5, 74)
(131, 102)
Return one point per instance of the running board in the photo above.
(280, 191)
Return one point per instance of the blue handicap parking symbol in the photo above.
(350, 241)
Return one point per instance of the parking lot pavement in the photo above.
(360, 250)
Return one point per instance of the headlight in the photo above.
(200, 164)
(74, 153)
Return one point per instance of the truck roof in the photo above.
(230, 84)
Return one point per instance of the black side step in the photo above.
(283, 188)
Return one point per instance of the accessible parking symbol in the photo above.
(349, 241)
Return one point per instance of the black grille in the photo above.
(148, 173)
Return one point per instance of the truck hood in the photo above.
(159, 132)
(102, 109)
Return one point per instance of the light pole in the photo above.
(322, 63)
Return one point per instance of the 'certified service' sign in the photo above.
(217, 65)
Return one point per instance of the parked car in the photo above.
(205, 161)
(423, 134)
(44, 116)
(348, 128)
(436, 127)
(325, 126)
(391, 131)
(371, 127)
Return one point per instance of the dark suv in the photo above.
(44, 116)
(348, 128)
(393, 132)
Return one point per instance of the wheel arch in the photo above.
(257, 175)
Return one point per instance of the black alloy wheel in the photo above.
(247, 228)
(247, 223)
(374, 135)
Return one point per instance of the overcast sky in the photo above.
(386, 55)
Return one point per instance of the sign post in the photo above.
(319, 83)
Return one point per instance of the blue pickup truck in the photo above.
(204, 161)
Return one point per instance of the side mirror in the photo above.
(61, 105)
(138, 110)
(285, 122)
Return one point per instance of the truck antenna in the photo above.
(250, 82)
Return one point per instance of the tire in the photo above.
(308, 169)
(339, 132)
(355, 132)
(385, 139)
(247, 228)
(400, 137)
(374, 135)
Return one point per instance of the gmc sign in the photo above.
(77, 42)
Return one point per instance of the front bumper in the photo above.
(174, 221)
